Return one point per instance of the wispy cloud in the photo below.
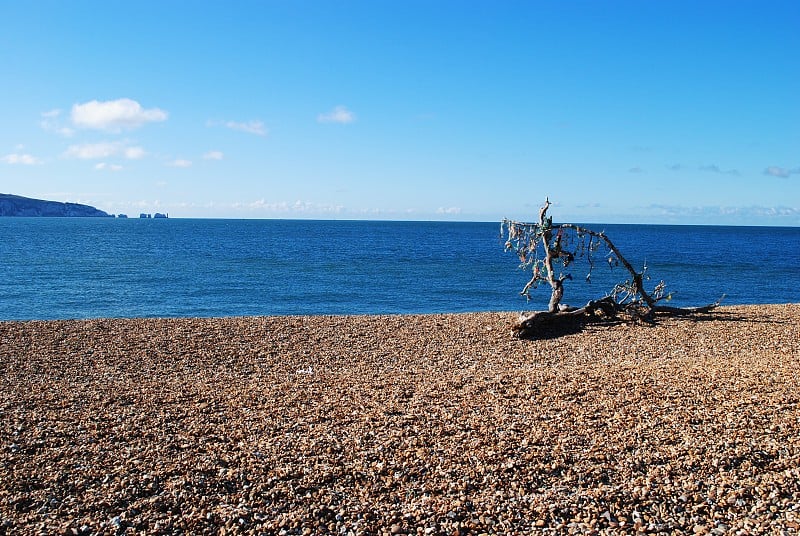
(723, 211)
(676, 167)
(777, 171)
(713, 168)
(448, 210)
(384, 212)
(21, 159)
(300, 207)
(636, 169)
(213, 155)
(115, 115)
(180, 163)
(96, 151)
(92, 151)
(51, 122)
(339, 114)
(107, 167)
(253, 126)
(134, 153)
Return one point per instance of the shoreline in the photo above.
(400, 424)
(722, 307)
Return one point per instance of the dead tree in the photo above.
(549, 249)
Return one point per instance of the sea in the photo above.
(79, 268)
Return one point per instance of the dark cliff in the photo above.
(14, 205)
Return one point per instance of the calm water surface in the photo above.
(58, 268)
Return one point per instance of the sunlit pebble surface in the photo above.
(437, 424)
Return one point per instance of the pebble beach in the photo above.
(430, 424)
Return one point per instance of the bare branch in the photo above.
(544, 248)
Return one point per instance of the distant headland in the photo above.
(15, 205)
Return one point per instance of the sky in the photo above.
(682, 112)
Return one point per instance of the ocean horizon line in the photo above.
(426, 221)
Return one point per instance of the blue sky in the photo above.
(620, 112)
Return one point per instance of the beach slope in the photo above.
(433, 424)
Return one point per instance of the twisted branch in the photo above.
(540, 247)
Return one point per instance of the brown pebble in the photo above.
(383, 424)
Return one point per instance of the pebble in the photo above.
(420, 424)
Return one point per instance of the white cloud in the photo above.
(108, 167)
(448, 210)
(181, 163)
(114, 116)
(339, 114)
(51, 123)
(23, 159)
(133, 153)
(92, 151)
(636, 169)
(96, 151)
(777, 171)
(213, 155)
(301, 207)
(251, 127)
(722, 211)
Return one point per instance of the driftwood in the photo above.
(542, 246)
(604, 309)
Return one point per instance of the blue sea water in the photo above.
(60, 268)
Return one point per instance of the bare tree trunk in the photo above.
(556, 295)
(556, 284)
